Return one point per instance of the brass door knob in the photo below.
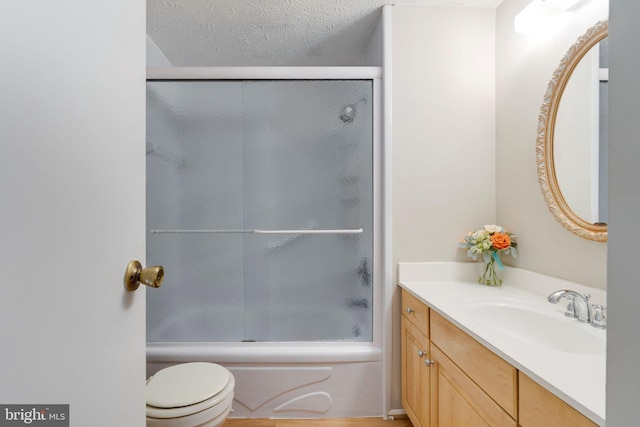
(135, 274)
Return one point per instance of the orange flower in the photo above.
(500, 241)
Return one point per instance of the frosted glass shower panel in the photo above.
(260, 194)
(194, 181)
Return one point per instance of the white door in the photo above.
(72, 207)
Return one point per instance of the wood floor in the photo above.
(343, 422)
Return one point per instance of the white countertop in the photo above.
(450, 289)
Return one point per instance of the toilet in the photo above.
(196, 394)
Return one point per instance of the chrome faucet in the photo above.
(579, 303)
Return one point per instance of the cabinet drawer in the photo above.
(416, 312)
(495, 376)
(540, 408)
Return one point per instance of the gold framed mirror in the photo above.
(546, 139)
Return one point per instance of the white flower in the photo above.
(493, 228)
(479, 235)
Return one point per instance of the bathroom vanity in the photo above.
(474, 355)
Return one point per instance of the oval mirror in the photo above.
(572, 133)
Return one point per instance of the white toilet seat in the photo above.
(214, 416)
(198, 392)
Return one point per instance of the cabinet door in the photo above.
(456, 401)
(415, 374)
(490, 372)
(540, 408)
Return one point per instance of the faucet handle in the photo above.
(571, 308)
(599, 316)
(570, 311)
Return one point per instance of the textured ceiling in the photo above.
(270, 32)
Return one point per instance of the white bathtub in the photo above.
(281, 379)
(289, 380)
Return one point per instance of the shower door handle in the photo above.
(260, 231)
(135, 275)
(343, 231)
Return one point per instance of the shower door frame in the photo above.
(309, 351)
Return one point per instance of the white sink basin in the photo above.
(540, 324)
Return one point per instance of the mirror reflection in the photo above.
(581, 136)
(571, 143)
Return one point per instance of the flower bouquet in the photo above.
(490, 242)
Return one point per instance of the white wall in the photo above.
(375, 48)
(524, 65)
(623, 336)
(155, 57)
(443, 129)
(443, 137)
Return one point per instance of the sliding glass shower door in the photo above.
(260, 207)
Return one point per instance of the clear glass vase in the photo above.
(489, 273)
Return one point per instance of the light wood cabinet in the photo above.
(540, 408)
(457, 401)
(415, 349)
(415, 374)
(464, 384)
(416, 312)
(495, 376)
